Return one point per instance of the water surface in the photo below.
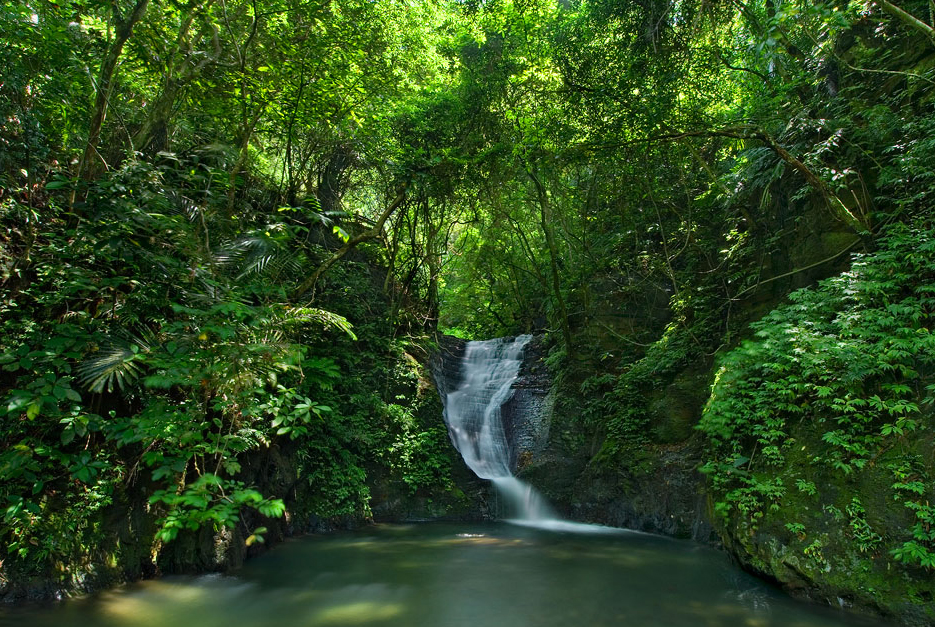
(455, 575)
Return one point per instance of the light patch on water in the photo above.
(361, 604)
(147, 601)
(483, 540)
(358, 612)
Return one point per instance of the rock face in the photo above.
(445, 364)
(665, 496)
(660, 491)
(525, 415)
(624, 451)
(550, 448)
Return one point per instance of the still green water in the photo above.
(454, 575)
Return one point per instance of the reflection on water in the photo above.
(448, 575)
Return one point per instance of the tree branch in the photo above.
(105, 85)
(748, 132)
(369, 234)
(909, 20)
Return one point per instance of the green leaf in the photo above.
(341, 233)
(273, 508)
(68, 435)
(161, 472)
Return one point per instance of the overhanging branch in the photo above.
(909, 20)
(371, 233)
(751, 132)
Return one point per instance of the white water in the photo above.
(472, 411)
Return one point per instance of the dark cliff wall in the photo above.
(624, 449)
(445, 364)
(527, 413)
(660, 490)
(553, 450)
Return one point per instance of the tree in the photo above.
(123, 22)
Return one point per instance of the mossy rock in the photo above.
(675, 410)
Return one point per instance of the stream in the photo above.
(455, 575)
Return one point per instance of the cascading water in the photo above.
(472, 411)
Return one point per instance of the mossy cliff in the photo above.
(806, 450)
(820, 431)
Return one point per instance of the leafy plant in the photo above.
(837, 379)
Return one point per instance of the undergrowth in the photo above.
(839, 378)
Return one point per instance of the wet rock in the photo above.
(526, 414)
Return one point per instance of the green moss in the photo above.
(818, 432)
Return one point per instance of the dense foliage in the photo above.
(225, 225)
(152, 351)
(155, 341)
(820, 429)
(839, 378)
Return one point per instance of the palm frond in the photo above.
(115, 365)
(266, 252)
(232, 253)
(295, 315)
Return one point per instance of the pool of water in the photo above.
(455, 575)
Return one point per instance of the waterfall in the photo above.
(472, 412)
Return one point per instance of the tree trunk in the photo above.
(241, 159)
(330, 187)
(105, 87)
(152, 136)
(545, 216)
(432, 262)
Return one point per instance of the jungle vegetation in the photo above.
(225, 223)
